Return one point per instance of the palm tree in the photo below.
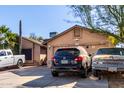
(8, 37)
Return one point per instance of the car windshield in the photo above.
(67, 52)
(110, 51)
(2, 53)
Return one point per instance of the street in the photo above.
(40, 77)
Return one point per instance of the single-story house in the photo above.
(77, 36)
(34, 51)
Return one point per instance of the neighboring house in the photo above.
(77, 36)
(35, 51)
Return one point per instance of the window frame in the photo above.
(9, 52)
(4, 53)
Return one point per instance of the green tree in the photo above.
(107, 19)
(33, 36)
(8, 37)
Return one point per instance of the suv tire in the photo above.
(84, 73)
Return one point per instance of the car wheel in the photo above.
(55, 73)
(99, 75)
(20, 63)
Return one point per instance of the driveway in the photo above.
(40, 77)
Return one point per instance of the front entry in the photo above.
(27, 53)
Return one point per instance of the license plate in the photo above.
(64, 61)
(112, 69)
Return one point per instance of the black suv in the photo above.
(71, 60)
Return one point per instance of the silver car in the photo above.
(108, 59)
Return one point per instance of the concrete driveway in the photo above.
(40, 77)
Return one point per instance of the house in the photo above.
(77, 36)
(35, 51)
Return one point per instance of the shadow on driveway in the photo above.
(32, 71)
(46, 80)
(66, 82)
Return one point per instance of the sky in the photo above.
(40, 20)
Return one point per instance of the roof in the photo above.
(45, 40)
(34, 41)
(64, 32)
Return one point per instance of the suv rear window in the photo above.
(110, 51)
(67, 52)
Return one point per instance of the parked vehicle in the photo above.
(108, 59)
(71, 60)
(8, 59)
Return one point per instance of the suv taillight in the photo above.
(79, 59)
(54, 60)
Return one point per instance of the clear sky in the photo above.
(37, 19)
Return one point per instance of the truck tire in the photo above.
(95, 73)
(55, 73)
(20, 63)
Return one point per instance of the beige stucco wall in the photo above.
(26, 44)
(37, 50)
(94, 40)
(36, 53)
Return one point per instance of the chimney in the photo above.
(52, 34)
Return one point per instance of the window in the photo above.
(2, 53)
(9, 53)
(67, 52)
(77, 33)
(110, 51)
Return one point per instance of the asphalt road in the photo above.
(40, 77)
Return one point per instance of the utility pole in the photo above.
(20, 36)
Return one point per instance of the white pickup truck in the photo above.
(8, 59)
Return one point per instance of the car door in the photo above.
(2, 58)
(9, 58)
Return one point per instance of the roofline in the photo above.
(69, 29)
(37, 42)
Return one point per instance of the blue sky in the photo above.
(37, 19)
